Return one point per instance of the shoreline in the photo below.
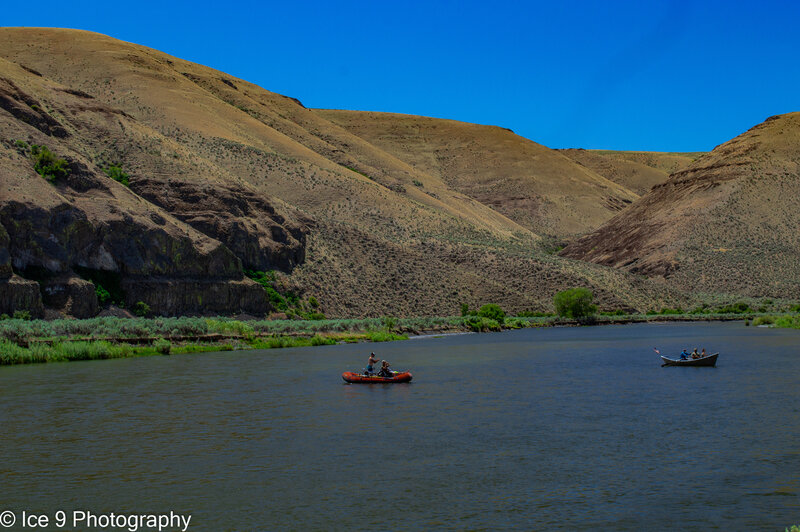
(38, 341)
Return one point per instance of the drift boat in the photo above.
(360, 378)
(708, 360)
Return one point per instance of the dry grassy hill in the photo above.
(535, 186)
(726, 224)
(224, 175)
(636, 171)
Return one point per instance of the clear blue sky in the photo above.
(634, 75)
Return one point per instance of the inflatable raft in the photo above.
(360, 378)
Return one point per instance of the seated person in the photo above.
(684, 355)
(385, 371)
(695, 354)
(703, 354)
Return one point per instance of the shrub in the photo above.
(735, 308)
(388, 323)
(163, 346)
(480, 324)
(464, 309)
(492, 311)
(417, 183)
(116, 173)
(22, 315)
(103, 296)
(47, 164)
(321, 340)
(312, 301)
(141, 309)
(575, 303)
(764, 320)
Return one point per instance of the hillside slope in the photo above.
(533, 185)
(727, 224)
(226, 176)
(636, 171)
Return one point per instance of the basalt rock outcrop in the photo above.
(250, 226)
(63, 233)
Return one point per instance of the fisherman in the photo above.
(695, 354)
(372, 360)
(385, 371)
(684, 355)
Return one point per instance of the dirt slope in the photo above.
(727, 224)
(533, 185)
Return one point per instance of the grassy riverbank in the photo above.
(34, 341)
(787, 321)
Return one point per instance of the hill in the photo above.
(726, 224)
(180, 178)
(636, 171)
(535, 186)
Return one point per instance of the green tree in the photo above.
(493, 312)
(575, 303)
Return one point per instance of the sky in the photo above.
(629, 75)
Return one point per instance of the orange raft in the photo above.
(360, 378)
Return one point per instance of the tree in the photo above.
(493, 312)
(575, 303)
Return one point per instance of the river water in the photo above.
(558, 428)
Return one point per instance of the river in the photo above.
(536, 429)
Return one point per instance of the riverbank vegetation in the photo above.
(23, 340)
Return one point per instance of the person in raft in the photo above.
(372, 360)
(684, 355)
(385, 371)
(703, 354)
(695, 354)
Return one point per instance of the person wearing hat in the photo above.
(372, 360)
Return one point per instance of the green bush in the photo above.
(480, 324)
(163, 346)
(492, 311)
(116, 173)
(22, 315)
(47, 164)
(575, 303)
(464, 309)
(312, 301)
(103, 296)
(764, 320)
(141, 309)
(735, 308)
